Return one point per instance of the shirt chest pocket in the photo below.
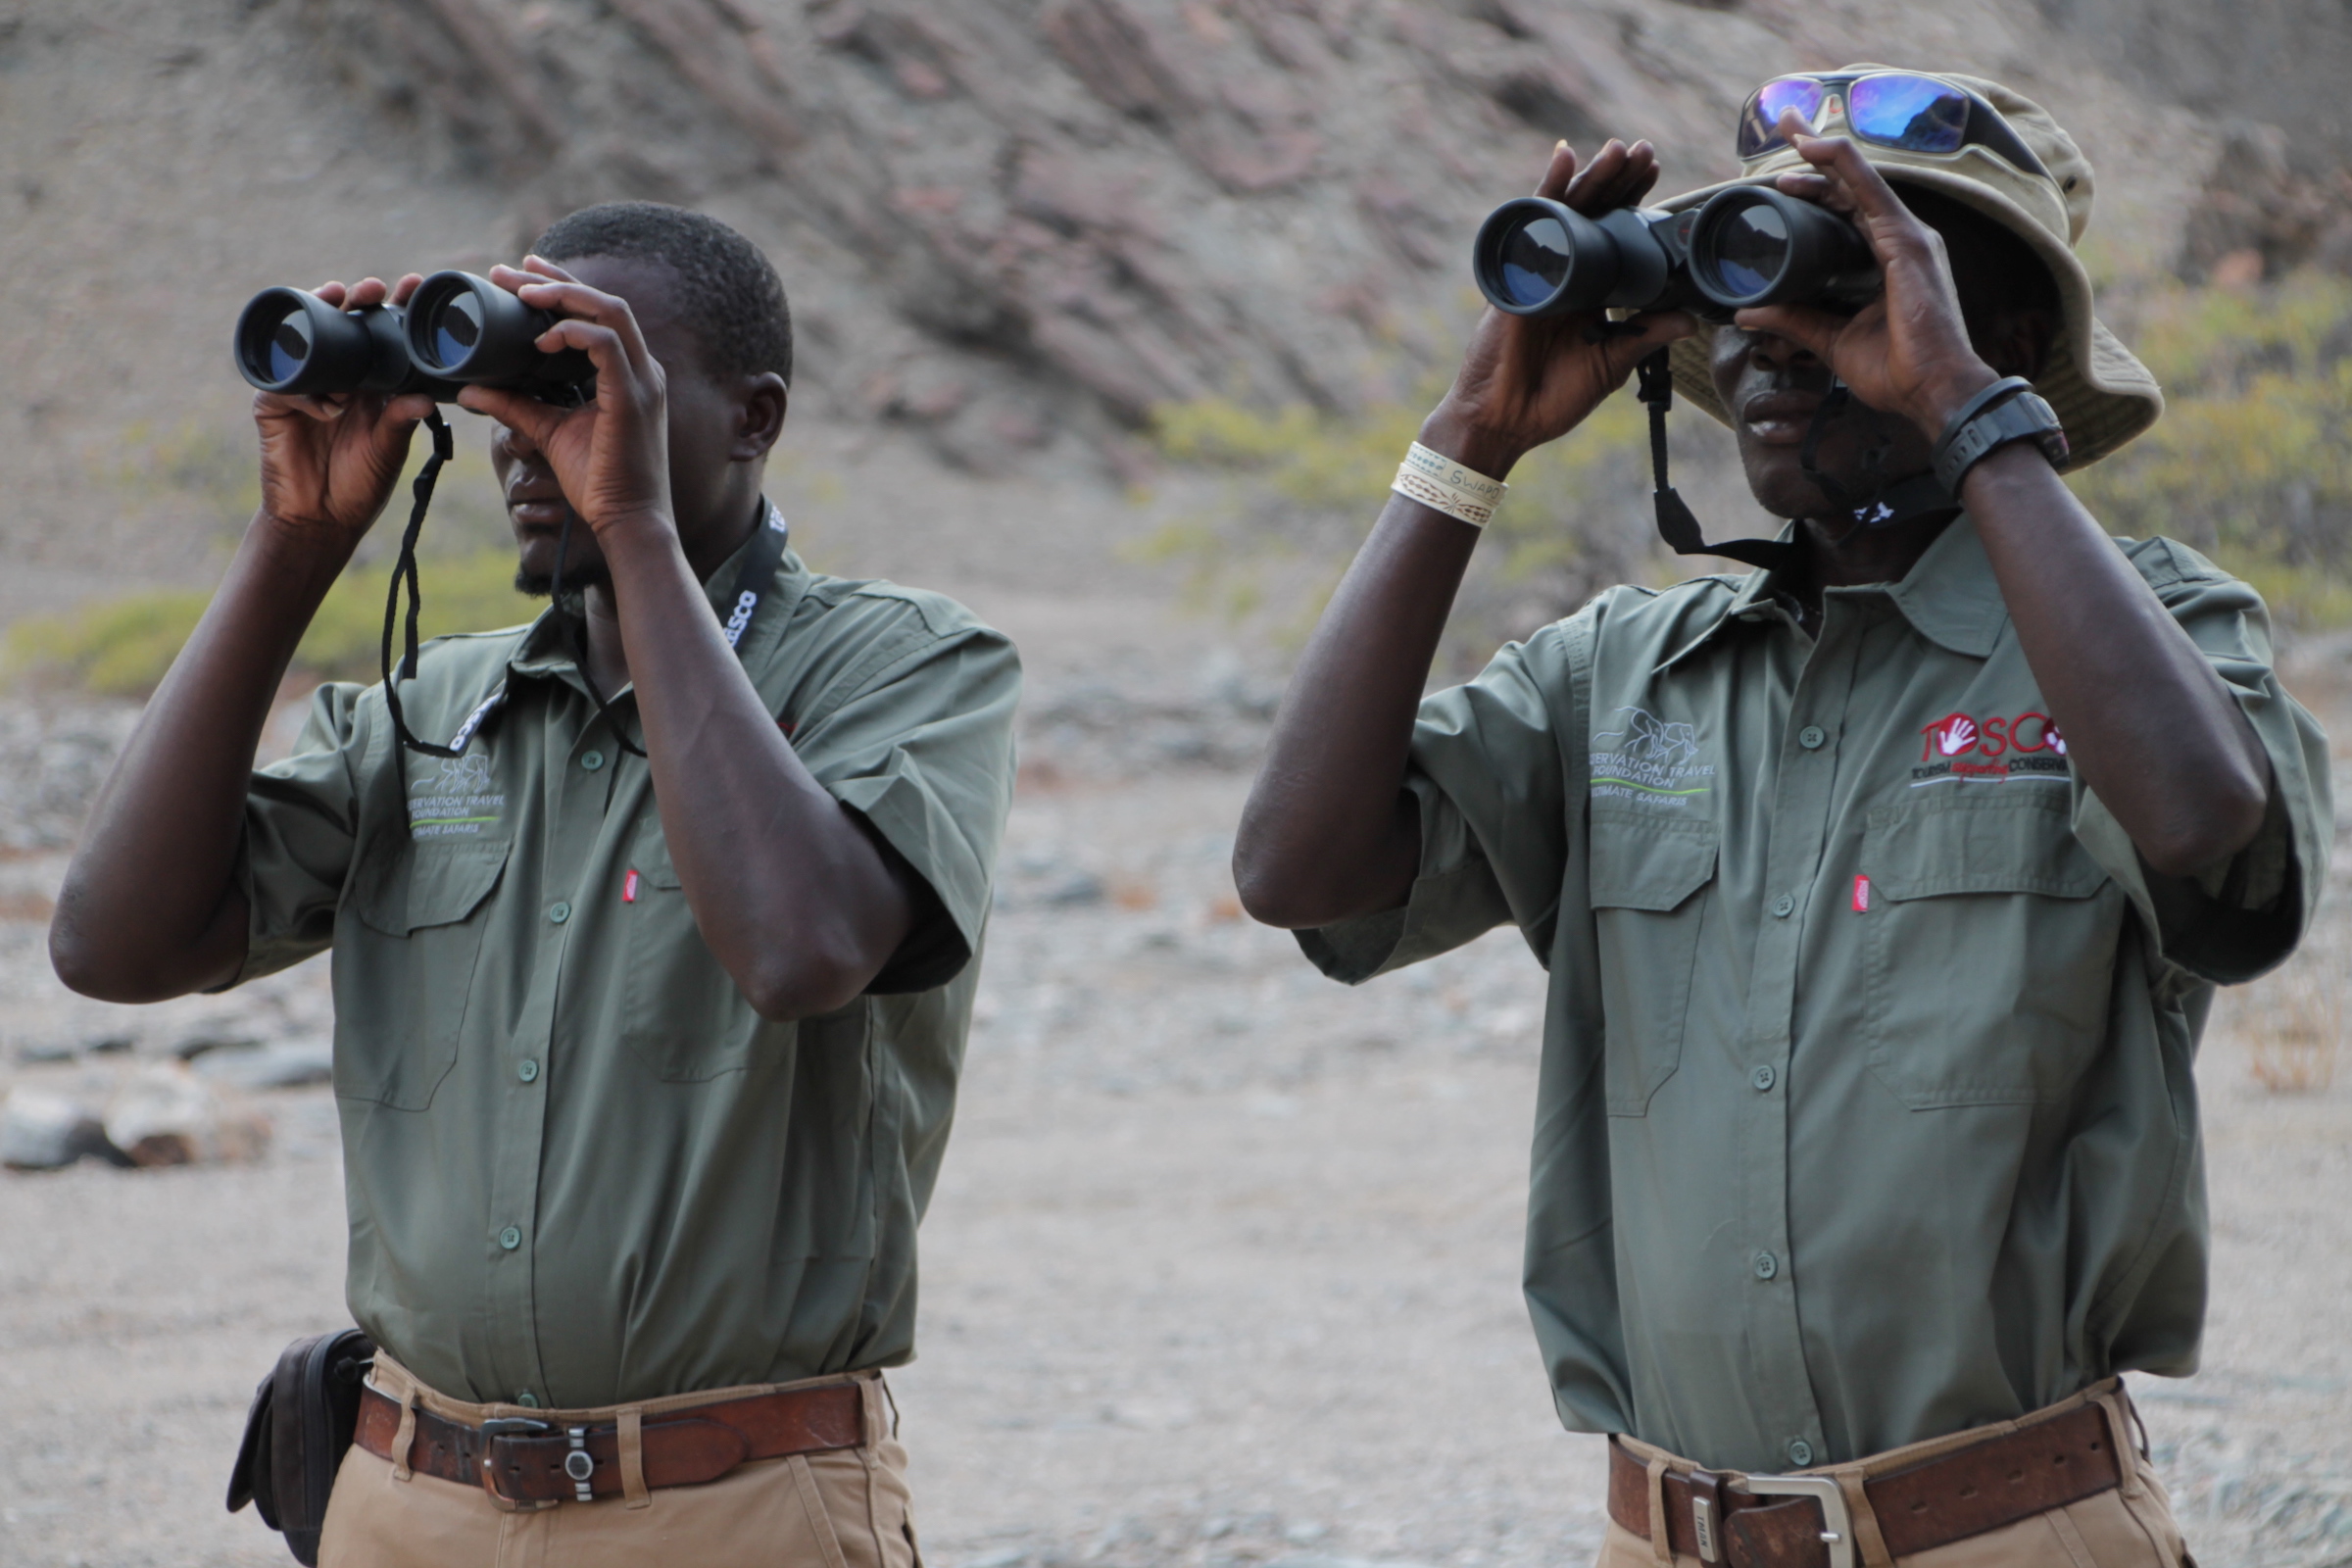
(404, 967)
(1651, 904)
(1988, 947)
(680, 1011)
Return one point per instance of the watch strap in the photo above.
(2008, 410)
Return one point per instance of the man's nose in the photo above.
(511, 445)
(1770, 352)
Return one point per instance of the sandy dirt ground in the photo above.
(1223, 1267)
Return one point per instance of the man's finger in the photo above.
(529, 417)
(332, 293)
(1591, 190)
(536, 262)
(1873, 197)
(406, 288)
(1557, 173)
(577, 302)
(366, 292)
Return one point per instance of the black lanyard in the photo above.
(753, 580)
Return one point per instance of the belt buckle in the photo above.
(508, 1426)
(1837, 1523)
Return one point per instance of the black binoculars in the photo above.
(457, 331)
(1745, 246)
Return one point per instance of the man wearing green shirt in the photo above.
(651, 999)
(1883, 889)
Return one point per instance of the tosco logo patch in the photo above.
(1957, 749)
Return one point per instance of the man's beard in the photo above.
(576, 577)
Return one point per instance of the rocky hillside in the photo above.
(1011, 227)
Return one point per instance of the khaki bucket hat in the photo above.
(2102, 394)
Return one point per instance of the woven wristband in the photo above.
(1442, 484)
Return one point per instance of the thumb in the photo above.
(1657, 329)
(526, 416)
(1810, 328)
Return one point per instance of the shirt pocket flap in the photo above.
(1650, 865)
(408, 888)
(2001, 839)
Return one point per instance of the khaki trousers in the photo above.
(2129, 1527)
(847, 1508)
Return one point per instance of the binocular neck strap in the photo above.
(1676, 525)
(404, 571)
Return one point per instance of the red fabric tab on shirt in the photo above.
(1861, 894)
(628, 887)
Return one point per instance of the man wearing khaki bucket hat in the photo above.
(1882, 888)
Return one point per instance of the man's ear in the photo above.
(2017, 342)
(760, 421)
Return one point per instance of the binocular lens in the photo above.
(289, 347)
(457, 328)
(1750, 251)
(1754, 245)
(1532, 258)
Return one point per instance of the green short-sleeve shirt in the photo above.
(580, 1168)
(1866, 1111)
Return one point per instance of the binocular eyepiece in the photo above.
(457, 331)
(1747, 246)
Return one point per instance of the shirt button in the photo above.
(560, 913)
(592, 760)
(1812, 736)
(509, 1238)
(1800, 1452)
(1767, 1266)
(527, 1399)
(1763, 1078)
(528, 1070)
(1781, 906)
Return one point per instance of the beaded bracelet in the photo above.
(1442, 484)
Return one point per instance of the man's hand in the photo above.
(1527, 380)
(1907, 352)
(611, 454)
(328, 464)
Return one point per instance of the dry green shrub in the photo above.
(2252, 461)
(121, 647)
(1307, 484)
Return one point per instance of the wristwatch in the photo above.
(2009, 410)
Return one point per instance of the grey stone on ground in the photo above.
(44, 1131)
(277, 1064)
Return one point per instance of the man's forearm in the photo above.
(1328, 832)
(148, 909)
(794, 899)
(2148, 724)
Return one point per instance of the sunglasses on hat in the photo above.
(1899, 109)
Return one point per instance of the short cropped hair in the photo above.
(729, 297)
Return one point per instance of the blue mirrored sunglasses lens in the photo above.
(1913, 113)
(1759, 127)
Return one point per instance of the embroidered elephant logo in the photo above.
(1645, 738)
(465, 775)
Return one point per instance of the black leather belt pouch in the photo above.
(296, 1434)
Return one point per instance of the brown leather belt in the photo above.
(1965, 1493)
(521, 1461)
